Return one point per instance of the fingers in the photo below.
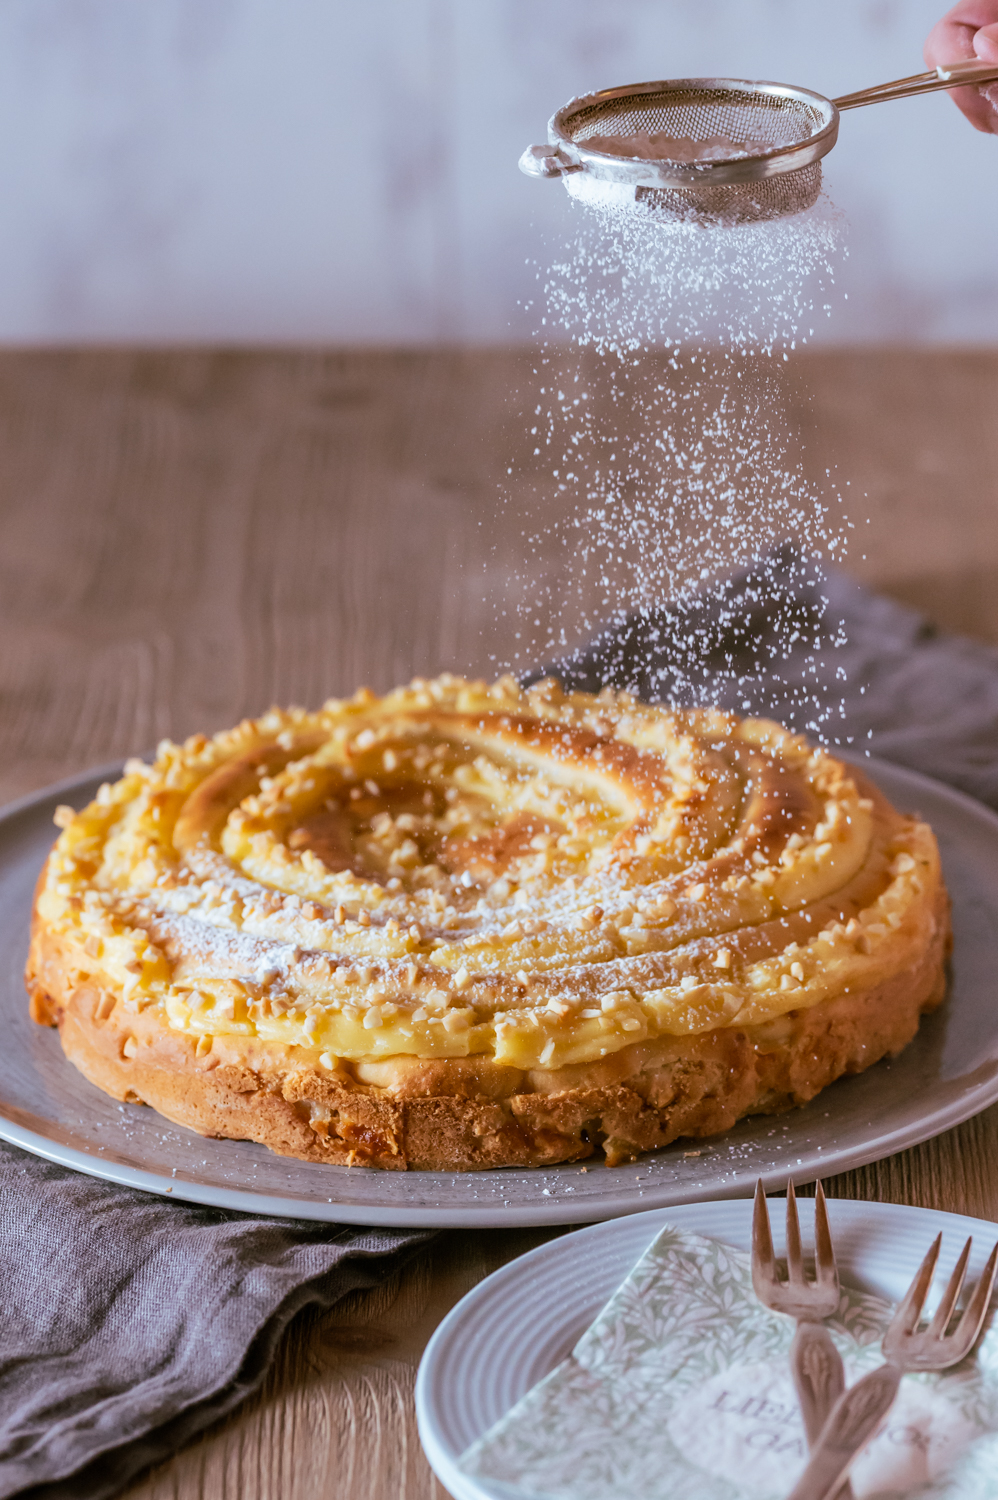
(970, 29)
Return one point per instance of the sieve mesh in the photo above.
(749, 186)
(735, 203)
(697, 114)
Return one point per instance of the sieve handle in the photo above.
(976, 71)
(548, 161)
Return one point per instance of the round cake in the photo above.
(467, 926)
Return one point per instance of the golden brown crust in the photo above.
(465, 926)
(472, 1113)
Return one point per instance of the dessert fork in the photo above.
(858, 1412)
(815, 1363)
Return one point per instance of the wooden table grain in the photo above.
(191, 535)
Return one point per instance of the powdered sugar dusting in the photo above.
(659, 145)
(661, 430)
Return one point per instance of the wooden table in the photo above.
(190, 536)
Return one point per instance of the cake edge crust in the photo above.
(472, 1114)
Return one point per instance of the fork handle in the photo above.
(819, 1379)
(818, 1374)
(851, 1424)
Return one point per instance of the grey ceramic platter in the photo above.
(947, 1074)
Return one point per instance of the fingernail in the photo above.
(986, 43)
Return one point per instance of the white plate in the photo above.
(949, 1072)
(479, 1362)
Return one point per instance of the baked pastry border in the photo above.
(468, 1114)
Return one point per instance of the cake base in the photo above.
(471, 1114)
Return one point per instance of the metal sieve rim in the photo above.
(651, 173)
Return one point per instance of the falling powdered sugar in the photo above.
(665, 458)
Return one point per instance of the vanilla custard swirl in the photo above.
(460, 869)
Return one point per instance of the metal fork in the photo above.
(815, 1363)
(858, 1412)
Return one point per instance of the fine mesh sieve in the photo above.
(763, 142)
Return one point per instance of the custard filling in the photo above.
(457, 869)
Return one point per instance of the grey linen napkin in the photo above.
(128, 1323)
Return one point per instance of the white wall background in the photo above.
(324, 170)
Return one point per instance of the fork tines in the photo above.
(765, 1277)
(904, 1342)
(934, 1347)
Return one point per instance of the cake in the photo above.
(465, 926)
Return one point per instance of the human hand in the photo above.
(969, 30)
